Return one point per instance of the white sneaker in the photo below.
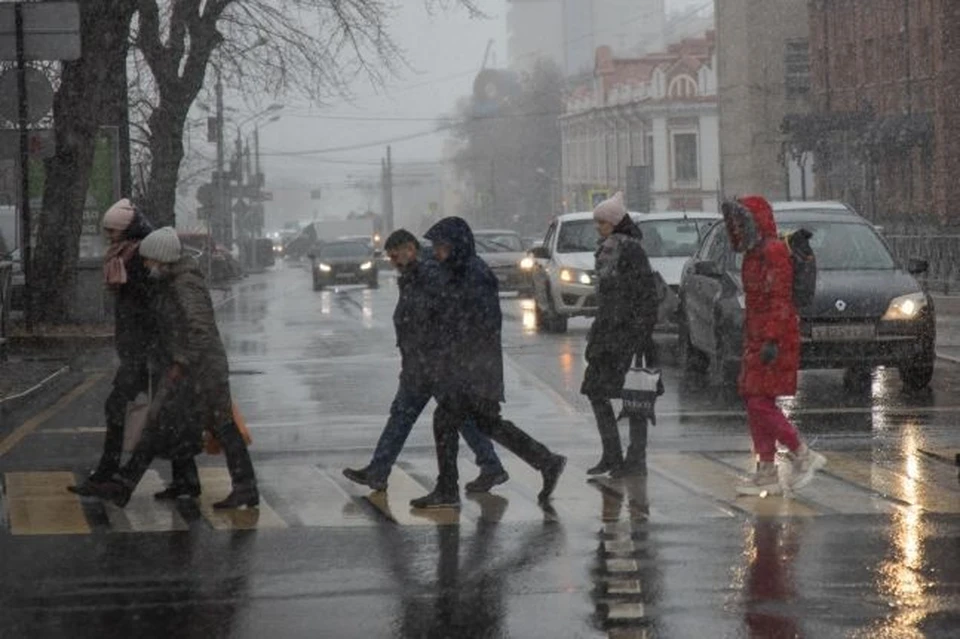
(803, 466)
(765, 481)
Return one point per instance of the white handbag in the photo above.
(641, 388)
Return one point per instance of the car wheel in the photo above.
(723, 374)
(918, 374)
(691, 358)
(549, 321)
(858, 379)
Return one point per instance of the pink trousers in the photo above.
(768, 425)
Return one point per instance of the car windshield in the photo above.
(578, 236)
(344, 249)
(843, 246)
(498, 243)
(672, 238)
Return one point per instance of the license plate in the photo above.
(844, 332)
(344, 276)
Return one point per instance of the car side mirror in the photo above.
(917, 266)
(540, 252)
(708, 268)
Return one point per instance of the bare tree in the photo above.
(314, 47)
(510, 150)
(85, 86)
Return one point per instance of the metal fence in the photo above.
(941, 251)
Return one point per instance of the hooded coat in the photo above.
(134, 320)
(626, 310)
(468, 318)
(770, 315)
(189, 338)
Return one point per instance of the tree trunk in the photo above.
(77, 109)
(166, 151)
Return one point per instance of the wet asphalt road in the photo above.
(870, 549)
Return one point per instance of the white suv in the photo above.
(563, 273)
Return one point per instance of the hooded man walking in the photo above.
(771, 345)
(417, 341)
(469, 376)
(135, 326)
(194, 393)
(622, 329)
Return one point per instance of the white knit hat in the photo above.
(119, 216)
(162, 245)
(611, 210)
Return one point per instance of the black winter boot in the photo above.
(242, 495)
(240, 466)
(612, 456)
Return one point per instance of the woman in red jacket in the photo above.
(771, 345)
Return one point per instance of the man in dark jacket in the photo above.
(417, 341)
(469, 374)
(194, 392)
(623, 326)
(135, 330)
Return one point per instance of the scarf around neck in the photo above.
(115, 262)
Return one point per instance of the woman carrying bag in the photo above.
(626, 314)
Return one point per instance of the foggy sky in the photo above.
(444, 51)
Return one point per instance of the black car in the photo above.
(348, 262)
(868, 310)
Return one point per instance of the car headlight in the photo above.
(526, 263)
(324, 267)
(906, 307)
(585, 279)
(573, 275)
(566, 275)
(366, 266)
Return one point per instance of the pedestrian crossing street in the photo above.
(681, 487)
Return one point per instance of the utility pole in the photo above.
(388, 194)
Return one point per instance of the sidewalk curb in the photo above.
(55, 385)
(948, 358)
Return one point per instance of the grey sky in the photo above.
(444, 51)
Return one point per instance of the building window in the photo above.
(797, 66)
(682, 87)
(686, 160)
(648, 155)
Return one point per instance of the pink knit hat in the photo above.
(611, 210)
(119, 216)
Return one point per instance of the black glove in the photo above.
(769, 352)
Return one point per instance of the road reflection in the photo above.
(627, 576)
(771, 548)
(466, 594)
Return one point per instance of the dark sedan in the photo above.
(349, 262)
(868, 310)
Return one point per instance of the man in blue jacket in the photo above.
(417, 341)
(469, 374)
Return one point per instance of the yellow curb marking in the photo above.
(35, 422)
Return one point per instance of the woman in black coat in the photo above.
(136, 332)
(626, 315)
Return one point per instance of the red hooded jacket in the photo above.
(770, 315)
